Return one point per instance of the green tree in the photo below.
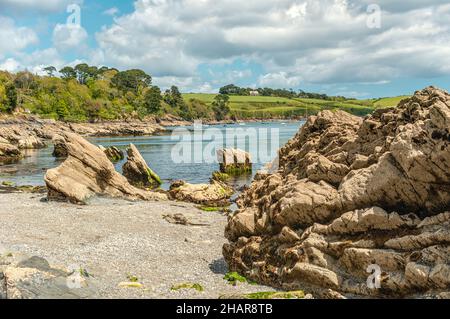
(152, 100)
(50, 70)
(131, 80)
(221, 106)
(11, 95)
(68, 73)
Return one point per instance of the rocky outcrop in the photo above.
(353, 197)
(22, 138)
(28, 131)
(113, 153)
(234, 161)
(137, 171)
(24, 277)
(87, 172)
(8, 152)
(215, 194)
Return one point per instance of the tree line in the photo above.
(232, 89)
(89, 93)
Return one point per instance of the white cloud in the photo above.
(41, 5)
(10, 65)
(279, 80)
(111, 11)
(14, 38)
(296, 41)
(69, 37)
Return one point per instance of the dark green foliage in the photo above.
(152, 100)
(51, 70)
(221, 106)
(131, 80)
(11, 95)
(68, 72)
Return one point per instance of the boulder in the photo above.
(24, 277)
(234, 161)
(59, 147)
(137, 171)
(8, 151)
(113, 153)
(87, 172)
(353, 197)
(214, 194)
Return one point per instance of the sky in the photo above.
(355, 48)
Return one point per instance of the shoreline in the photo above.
(113, 239)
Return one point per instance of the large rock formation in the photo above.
(137, 171)
(86, 172)
(354, 195)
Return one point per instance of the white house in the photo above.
(254, 93)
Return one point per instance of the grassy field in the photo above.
(268, 107)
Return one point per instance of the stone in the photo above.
(352, 195)
(87, 172)
(59, 147)
(34, 278)
(9, 152)
(234, 161)
(215, 194)
(113, 153)
(137, 172)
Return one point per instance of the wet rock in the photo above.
(214, 194)
(113, 153)
(234, 161)
(352, 195)
(87, 172)
(137, 172)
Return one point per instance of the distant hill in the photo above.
(267, 107)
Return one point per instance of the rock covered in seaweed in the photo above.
(234, 161)
(351, 193)
(137, 172)
(87, 172)
(113, 153)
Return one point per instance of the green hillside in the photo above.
(266, 107)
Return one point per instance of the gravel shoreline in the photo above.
(113, 239)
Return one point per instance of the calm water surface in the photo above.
(157, 151)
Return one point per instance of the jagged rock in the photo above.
(22, 138)
(234, 161)
(137, 171)
(214, 194)
(87, 172)
(113, 153)
(351, 193)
